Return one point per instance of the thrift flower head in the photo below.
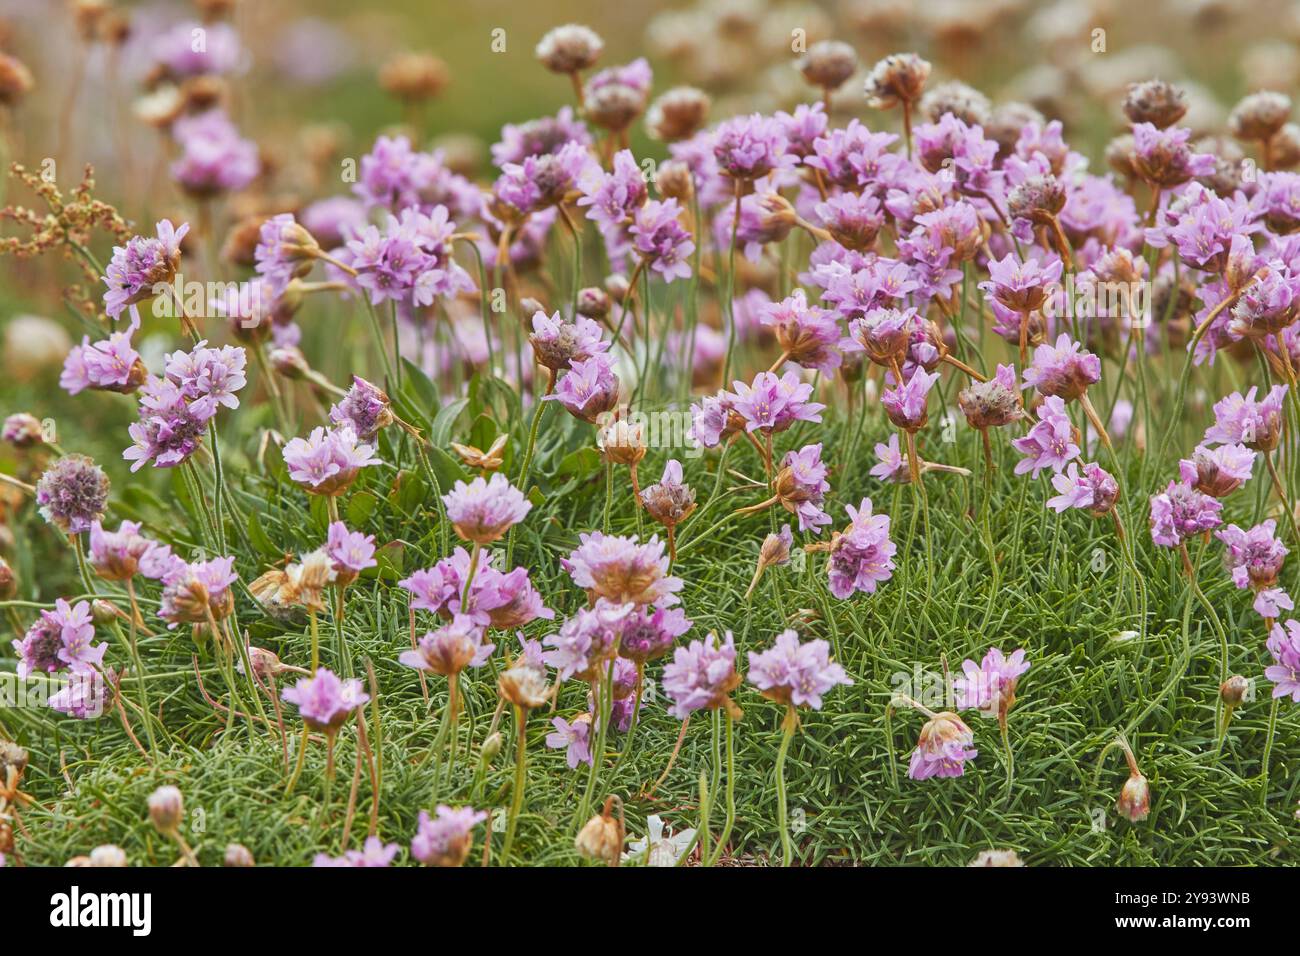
(861, 556)
(557, 344)
(1163, 158)
(774, 404)
(1243, 420)
(72, 493)
(60, 639)
(586, 641)
(661, 240)
(450, 649)
(748, 147)
(702, 676)
(891, 464)
(589, 389)
(194, 592)
(990, 686)
(143, 263)
(1218, 471)
(943, 748)
(324, 702)
(365, 408)
(1051, 443)
(214, 158)
(992, 403)
(1063, 369)
(327, 462)
(808, 336)
(1182, 512)
(83, 697)
(1284, 672)
(373, 853)
(1095, 490)
(445, 838)
(484, 510)
(795, 674)
(905, 404)
(1020, 286)
(1254, 557)
(622, 570)
(647, 634)
(670, 501)
(115, 555)
(350, 551)
(110, 364)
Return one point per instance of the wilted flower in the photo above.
(365, 408)
(450, 649)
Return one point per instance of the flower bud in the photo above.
(828, 64)
(104, 612)
(593, 303)
(23, 430)
(166, 808)
(414, 77)
(898, 78)
(13, 758)
(675, 181)
(107, 855)
(996, 858)
(678, 114)
(570, 48)
(1233, 690)
(237, 855)
(290, 362)
(1134, 799)
(491, 747)
(1259, 116)
(622, 442)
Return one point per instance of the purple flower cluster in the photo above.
(795, 674)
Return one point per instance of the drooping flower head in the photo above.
(943, 748)
(795, 674)
(450, 649)
(194, 592)
(670, 501)
(110, 364)
(807, 335)
(72, 494)
(324, 702)
(801, 486)
(1218, 471)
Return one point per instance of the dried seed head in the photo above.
(1134, 801)
(1005, 123)
(489, 460)
(88, 15)
(1234, 690)
(1156, 102)
(15, 80)
(12, 758)
(273, 591)
(1284, 147)
(898, 78)
(1038, 199)
(678, 114)
(414, 77)
(614, 106)
(289, 361)
(964, 102)
(166, 808)
(202, 93)
(8, 582)
(1260, 115)
(1226, 178)
(160, 107)
(237, 855)
(674, 181)
(670, 505)
(622, 442)
(989, 404)
(1119, 155)
(570, 48)
(828, 64)
(524, 687)
(310, 577)
(241, 242)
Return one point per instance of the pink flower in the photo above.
(622, 570)
(793, 673)
(483, 511)
(1284, 645)
(1050, 443)
(573, 737)
(1182, 512)
(862, 556)
(774, 404)
(942, 749)
(351, 551)
(990, 686)
(324, 702)
(905, 404)
(1095, 490)
(1063, 369)
(326, 463)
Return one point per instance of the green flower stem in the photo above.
(517, 797)
(787, 734)
(731, 791)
